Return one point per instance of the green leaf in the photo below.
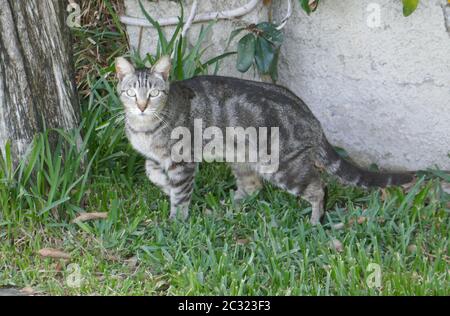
(271, 34)
(309, 7)
(115, 17)
(234, 34)
(9, 163)
(162, 38)
(54, 205)
(192, 60)
(305, 5)
(264, 55)
(178, 70)
(212, 61)
(178, 29)
(409, 6)
(175, 36)
(273, 72)
(440, 174)
(246, 52)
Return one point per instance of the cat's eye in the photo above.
(154, 93)
(131, 93)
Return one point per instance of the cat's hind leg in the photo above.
(300, 178)
(248, 181)
(315, 195)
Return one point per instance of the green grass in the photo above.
(265, 248)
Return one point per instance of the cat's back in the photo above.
(247, 100)
(259, 94)
(230, 86)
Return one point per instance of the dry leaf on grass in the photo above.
(412, 248)
(162, 285)
(53, 253)
(360, 220)
(384, 194)
(408, 186)
(445, 187)
(90, 217)
(28, 290)
(337, 245)
(338, 226)
(381, 220)
(132, 262)
(243, 241)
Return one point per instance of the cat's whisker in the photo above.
(166, 117)
(161, 119)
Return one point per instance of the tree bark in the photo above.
(37, 88)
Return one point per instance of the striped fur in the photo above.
(350, 174)
(154, 107)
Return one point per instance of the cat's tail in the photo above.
(350, 174)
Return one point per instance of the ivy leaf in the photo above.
(246, 52)
(409, 6)
(264, 54)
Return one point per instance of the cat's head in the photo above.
(145, 91)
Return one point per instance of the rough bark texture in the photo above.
(37, 88)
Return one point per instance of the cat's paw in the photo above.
(315, 221)
(179, 214)
(239, 198)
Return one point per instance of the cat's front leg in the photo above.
(181, 178)
(157, 176)
(248, 181)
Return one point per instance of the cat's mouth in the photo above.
(143, 115)
(138, 113)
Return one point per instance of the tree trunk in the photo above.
(37, 88)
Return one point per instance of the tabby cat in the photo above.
(154, 107)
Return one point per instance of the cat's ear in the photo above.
(123, 68)
(163, 67)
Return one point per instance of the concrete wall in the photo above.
(217, 39)
(382, 92)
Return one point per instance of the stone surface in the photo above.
(382, 93)
(11, 292)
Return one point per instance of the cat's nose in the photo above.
(142, 105)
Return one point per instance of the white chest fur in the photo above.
(149, 146)
(141, 142)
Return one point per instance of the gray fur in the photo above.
(230, 102)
